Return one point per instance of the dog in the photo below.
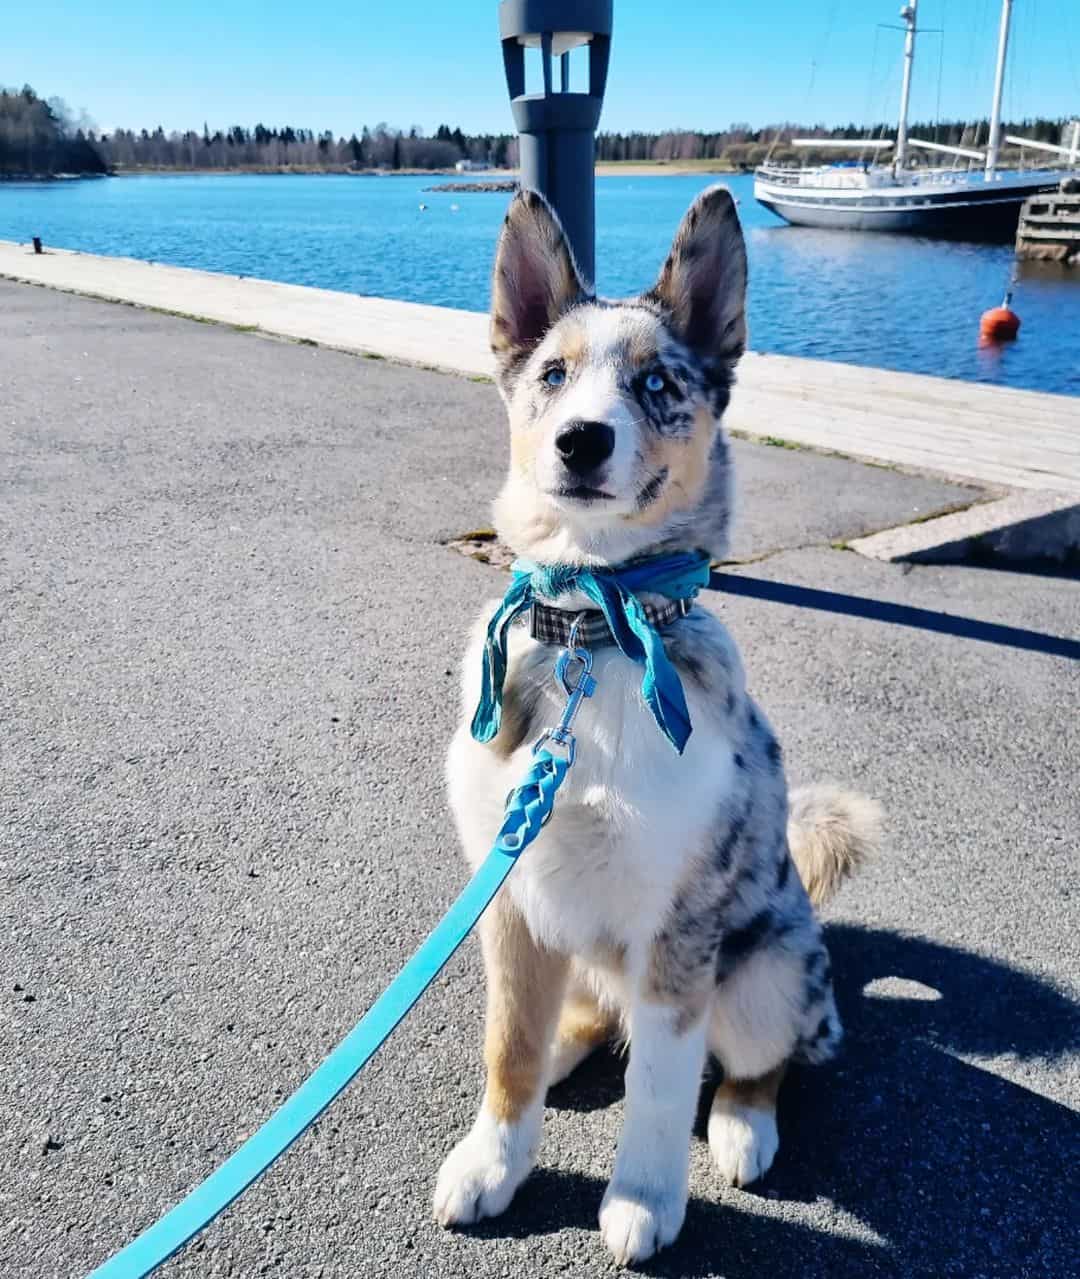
(670, 899)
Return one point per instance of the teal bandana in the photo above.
(614, 591)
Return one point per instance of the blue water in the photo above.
(891, 301)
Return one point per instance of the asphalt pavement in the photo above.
(228, 649)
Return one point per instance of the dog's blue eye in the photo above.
(655, 382)
(555, 377)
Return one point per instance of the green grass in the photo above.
(777, 442)
(475, 535)
(179, 315)
(164, 310)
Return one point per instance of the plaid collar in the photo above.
(552, 625)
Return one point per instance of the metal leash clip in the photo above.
(577, 685)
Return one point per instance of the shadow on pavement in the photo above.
(923, 619)
(1067, 571)
(955, 1170)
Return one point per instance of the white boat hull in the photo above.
(973, 210)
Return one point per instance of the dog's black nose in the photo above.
(584, 445)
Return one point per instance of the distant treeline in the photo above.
(293, 148)
(386, 148)
(741, 146)
(40, 138)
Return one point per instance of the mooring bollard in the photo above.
(37, 244)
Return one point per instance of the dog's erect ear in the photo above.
(703, 282)
(535, 280)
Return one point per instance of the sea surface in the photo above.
(890, 301)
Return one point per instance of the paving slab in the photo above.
(229, 637)
(422, 454)
(1025, 525)
(985, 434)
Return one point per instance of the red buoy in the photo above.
(1000, 323)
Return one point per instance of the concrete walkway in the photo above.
(990, 435)
(229, 636)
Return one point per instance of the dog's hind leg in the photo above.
(584, 1026)
(525, 989)
(743, 1137)
(773, 1002)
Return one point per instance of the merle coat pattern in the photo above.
(669, 900)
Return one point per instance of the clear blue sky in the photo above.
(332, 64)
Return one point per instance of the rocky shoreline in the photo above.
(50, 177)
(504, 184)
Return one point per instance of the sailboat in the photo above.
(978, 203)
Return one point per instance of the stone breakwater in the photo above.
(508, 184)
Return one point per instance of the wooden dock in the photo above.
(1049, 228)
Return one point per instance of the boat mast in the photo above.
(907, 13)
(994, 144)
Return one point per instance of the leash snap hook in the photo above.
(575, 654)
(577, 685)
(576, 689)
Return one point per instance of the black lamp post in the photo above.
(557, 128)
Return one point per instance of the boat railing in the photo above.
(834, 175)
(785, 174)
(870, 177)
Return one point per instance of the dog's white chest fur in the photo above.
(605, 870)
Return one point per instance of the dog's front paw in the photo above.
(480, 1175)
(743, 1141)
(635, 1224)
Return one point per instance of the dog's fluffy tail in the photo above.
(831, 832)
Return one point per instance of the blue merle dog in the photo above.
(670, 899)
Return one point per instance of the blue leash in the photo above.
(528, 808)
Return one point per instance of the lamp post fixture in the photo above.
(557, 127)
